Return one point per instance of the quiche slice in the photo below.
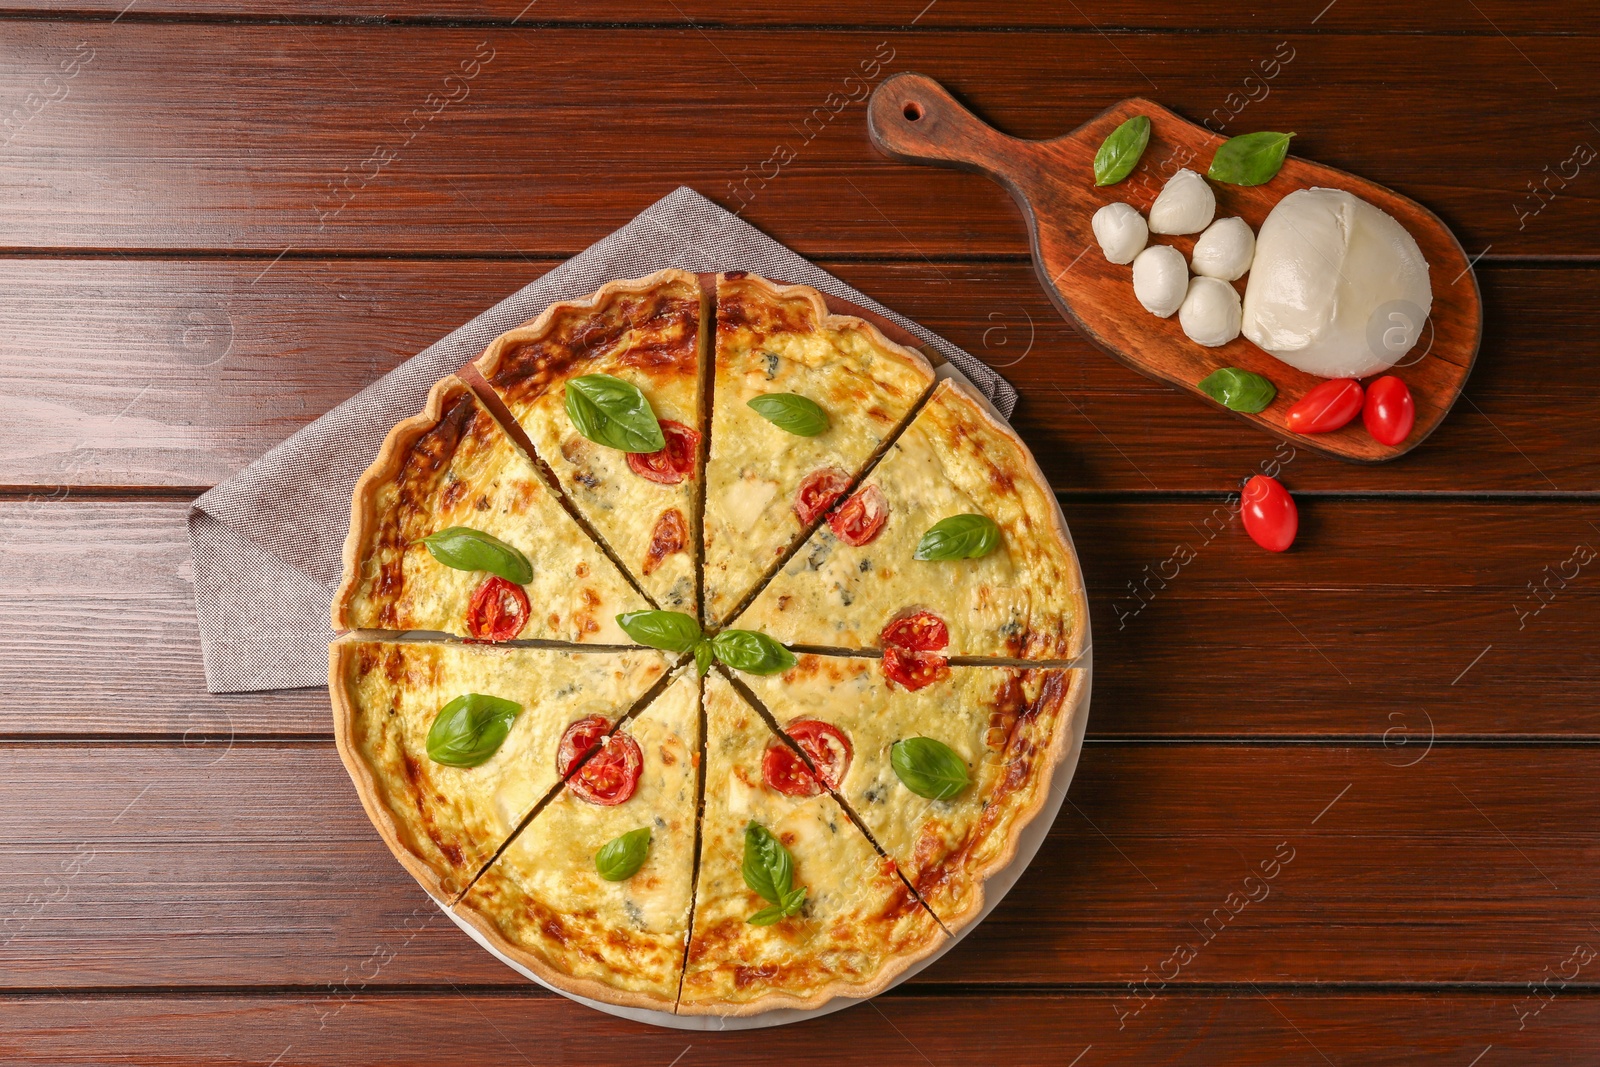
(647, 333)
(454, 466)
(443, 821)
(1008, 727)
(767, 485)
(574, 914)
(855, 927)
(1022, 599)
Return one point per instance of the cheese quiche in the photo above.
(444, 820)
(1005, 727)
(856, 924)
(452, 466)
(645, 334)
(829, 391)
(562, 899)
(708, 654)
(1020, 596)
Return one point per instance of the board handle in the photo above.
(914, 119)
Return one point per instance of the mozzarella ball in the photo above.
(1186, 205)
(1211, 312)
(1160, 279)
(1121, 232)
(1225, 250)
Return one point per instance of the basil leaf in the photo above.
(671, 631)
(958, 537)
(621, 857)
(752, 652)
(929, 768)
(768, 868)
(614, 413)
(791, 412)
(773, 913)
(470, 729)
(1120, 152)
(467, 549)
(702, 657)
(1238, 390)
(767, 916)
(1249, 159)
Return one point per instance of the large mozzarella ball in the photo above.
(1121, 232)
(1225, 250)
(1186, 204)
(1160, 279)
(1210, 313)
(1338, 288)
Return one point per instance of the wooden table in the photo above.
(223, 216)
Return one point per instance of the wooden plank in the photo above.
(463, 140)
(1386, 621)
(180, 372)
(1357, 16)
(483, 1028)
(254, 865)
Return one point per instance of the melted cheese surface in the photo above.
(1001, 721)
(858, 916)
(768, 342)
(452, 819)
(654, 343)
(1021, 600)
(546, 898)
(468, 472)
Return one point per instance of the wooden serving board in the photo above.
(913, 118)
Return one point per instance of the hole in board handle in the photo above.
(912, 111)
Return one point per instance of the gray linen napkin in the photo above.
(267, 542)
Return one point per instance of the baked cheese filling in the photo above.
(551, 900)
(1022, 599)
(858, 926)
(462, 470)
(649, 335)
(780, 341)
(1006, 726)
(445, 822)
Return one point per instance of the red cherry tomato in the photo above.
(581, 737)
(498, 610)
(1270, 517)
(786, 772)
(1390, 412)
(818, 492)
(861, 518)
(913, 670)
(827, 745)
(672, 464)
(828, 749)
(1327, 407)
(611, 775)
(920, 631)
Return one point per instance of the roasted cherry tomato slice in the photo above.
(1270, 517)
(818, 492)
(498, 610)
(1326, 408)
(827, 746)
(920, 631)
(1390, 412)
(672, 464)
(913, 670)
(580, 737)
(861, 518)
(786, 772)
(828, 749)
(611, 775)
